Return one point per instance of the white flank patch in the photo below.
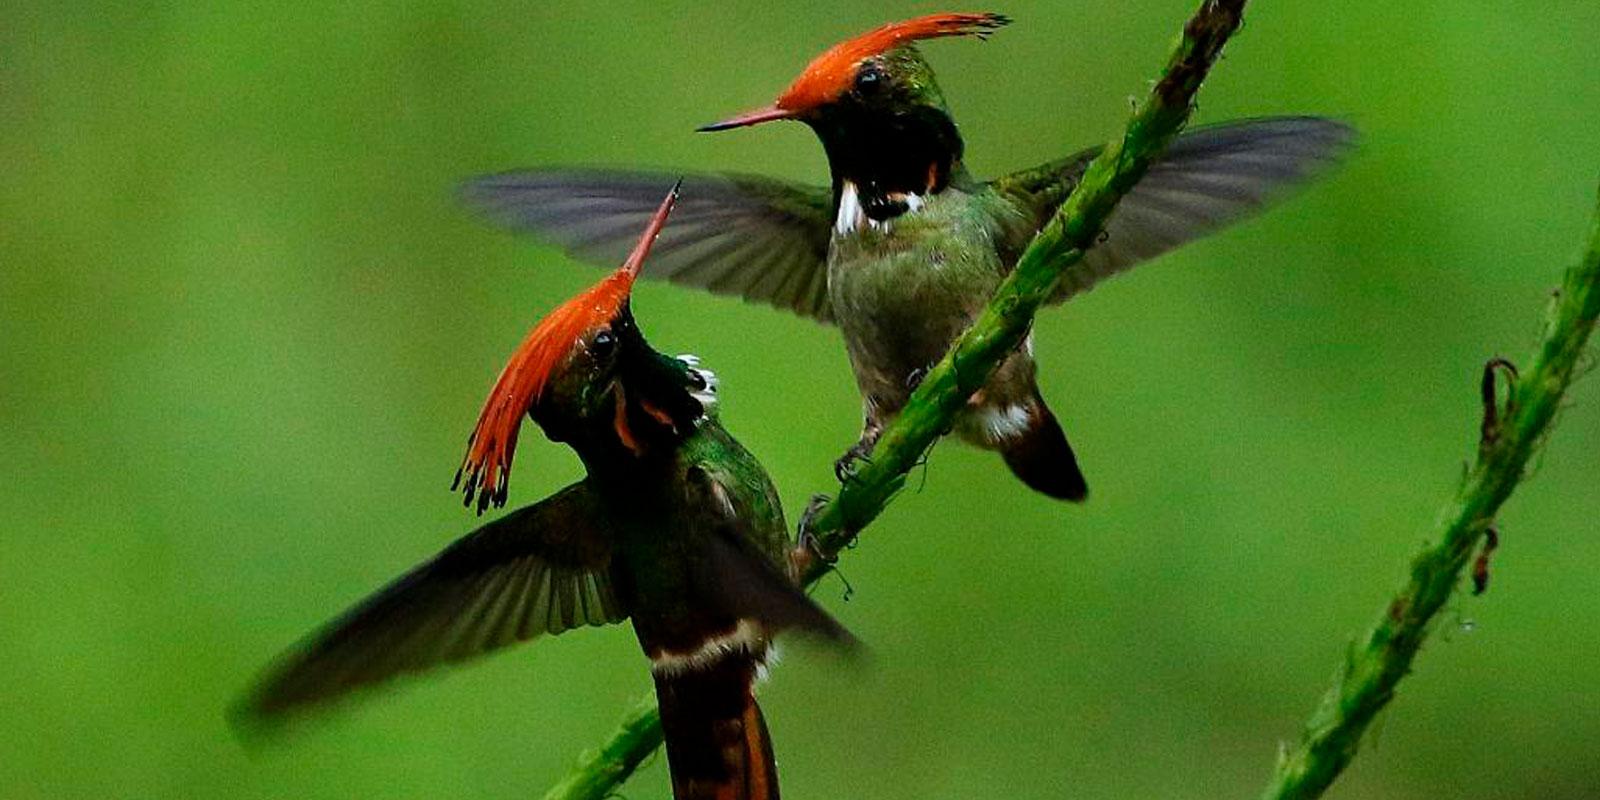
(744, 638)
(767, 662)
(1004, 422)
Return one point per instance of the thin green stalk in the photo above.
(1367, 679)
(998, 331)
(599, 772)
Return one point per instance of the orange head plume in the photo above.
(487, 466)
(833, 72)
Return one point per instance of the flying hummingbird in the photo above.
(676, 526)
(905, 246)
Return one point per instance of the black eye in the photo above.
(603, 344)
(869, 79)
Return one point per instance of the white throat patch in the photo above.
(852, 216)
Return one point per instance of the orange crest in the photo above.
(833, 72)
(487, 466)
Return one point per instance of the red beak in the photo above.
(755, 117)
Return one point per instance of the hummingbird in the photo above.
(905, 246)
(675, 526)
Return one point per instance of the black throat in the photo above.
(645, 408)
(889, 154)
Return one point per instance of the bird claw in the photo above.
(808, 547)
(844, 469)
(808, 535)
(914, 379)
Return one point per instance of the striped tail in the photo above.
(717, 742)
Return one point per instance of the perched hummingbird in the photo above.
(676, 526)
(906, 246)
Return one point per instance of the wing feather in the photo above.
(1209, 178)
(511, 580)
(740, 235)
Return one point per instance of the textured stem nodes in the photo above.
(1510, 433)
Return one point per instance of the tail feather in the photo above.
(1040, 456)
(717, 742)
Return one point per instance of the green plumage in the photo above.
(904, 247)
(651, 536)
(676, 527)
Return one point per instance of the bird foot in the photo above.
(808, 547)
(845, 468)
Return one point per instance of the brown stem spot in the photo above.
(1480, 567)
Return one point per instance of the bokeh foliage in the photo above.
(244, 331)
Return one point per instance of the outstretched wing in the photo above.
(1209, 178)
(540, 569)
(761, 239)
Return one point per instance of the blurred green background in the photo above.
(244, 331)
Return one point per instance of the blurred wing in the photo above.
(741, 575)
(1209, 178)
(540, 569)
(757, 238)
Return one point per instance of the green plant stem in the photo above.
(998, 331)
(1372, 669)
(599, 772)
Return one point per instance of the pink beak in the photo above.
(755, 117)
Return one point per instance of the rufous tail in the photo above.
(717, 742)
